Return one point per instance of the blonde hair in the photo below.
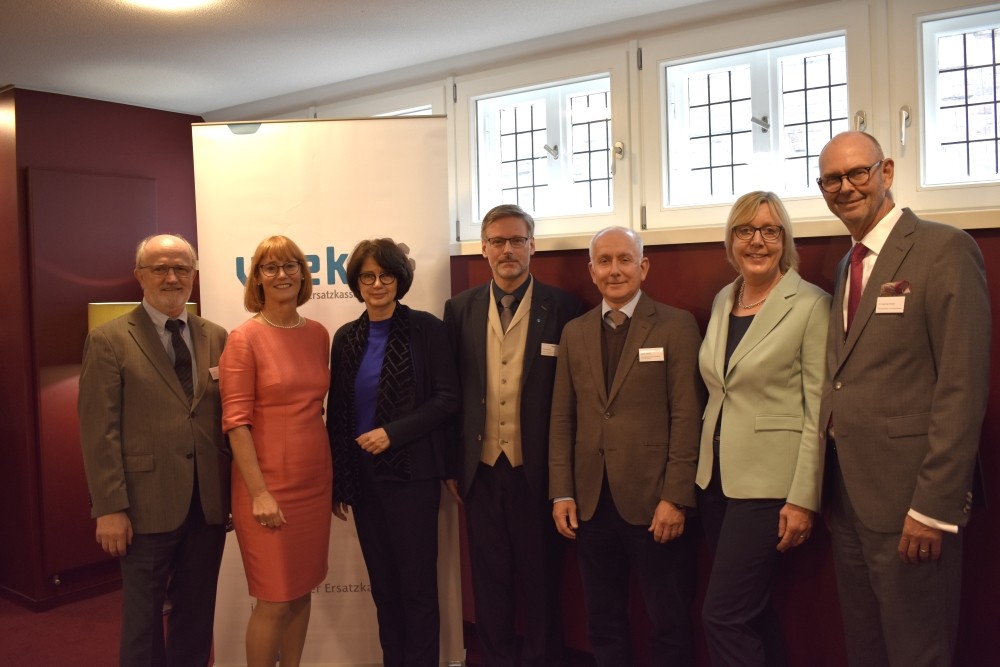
(745, 210)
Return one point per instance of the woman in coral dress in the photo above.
(273, 379)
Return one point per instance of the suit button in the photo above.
(607, 415)
(189, 456)
(601, 452)
(837, 385)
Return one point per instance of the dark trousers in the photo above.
(397, 524)
(513, 550)
(610, 550)
(894, 613)
(741, 625)
(182, 566)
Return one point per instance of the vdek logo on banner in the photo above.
(326, 185)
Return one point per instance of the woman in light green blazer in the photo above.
(759, 468)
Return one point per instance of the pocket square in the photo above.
(897, 288)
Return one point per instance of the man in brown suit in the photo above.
(156, 461)
(623, 447)
(907, 381)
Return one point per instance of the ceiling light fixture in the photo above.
(172, 5)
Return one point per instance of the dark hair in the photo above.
(387, 254)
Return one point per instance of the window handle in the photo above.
(762, 123)
(617, 153)
(552, 150)
(904, 122)
(860, 121)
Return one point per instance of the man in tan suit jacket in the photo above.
(623, 448)
(156, 461)
(904, 400)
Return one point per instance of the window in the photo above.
(961, 73)
(546, 150)
(551, 137)
(730, 118)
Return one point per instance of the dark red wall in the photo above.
(688, 276)
(45, 324)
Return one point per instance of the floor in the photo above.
(85, 634)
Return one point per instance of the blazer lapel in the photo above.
(638, 331)
(768, 317)
(595, 359)
(201, 355)
(479, 315)
(144, 334)
(893, 253)
(541, 307)
(716, 337)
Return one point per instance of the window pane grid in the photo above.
(590, 124)
(522, 158)
(712, 129)
(814, 109)
(967, 101)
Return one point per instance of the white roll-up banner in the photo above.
(326, 184)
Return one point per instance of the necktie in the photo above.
(616, 317)
(182, 356)
(858, 253)
(506, 314)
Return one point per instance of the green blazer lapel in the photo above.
(896, 247)
(774, 310)
(716, 336)
(638, 330)
(144, 334)
(591, 323)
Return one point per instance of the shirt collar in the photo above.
(877, 235)
(160, 319)
(628, 308)
(518, 293)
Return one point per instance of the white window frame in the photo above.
(698, 223)
(557, 232)
(968, 205)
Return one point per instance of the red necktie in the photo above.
(858, 253)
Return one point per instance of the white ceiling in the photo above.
(212, 61)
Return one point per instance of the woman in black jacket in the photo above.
(393, 388)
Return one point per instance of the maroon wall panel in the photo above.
(689, 276)
(104, 176)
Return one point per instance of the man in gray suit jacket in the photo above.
(623, 449)
(156, 461)
(907, 382)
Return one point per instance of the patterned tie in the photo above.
(507, 314)
(182, 356)
(616, 318)
(858, 253)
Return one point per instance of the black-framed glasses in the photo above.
(770, 233)
(369, 278)
(161, 270)
(834, 182)
(499, 242)
(271, 270)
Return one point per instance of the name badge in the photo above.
(890, 305)
(214, 372)
(650, 354)
(550, 350)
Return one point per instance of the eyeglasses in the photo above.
(499, 242)
(271, 270)
(161, 270)
(834, 182)
(369, 278)
(770, 233)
